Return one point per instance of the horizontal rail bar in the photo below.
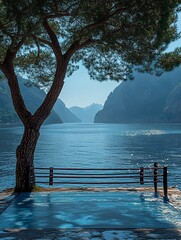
(43, 168)
(107, 183)
(92, 183)
(91, 169)
(94, 174)
(91, 176)
(41, 182)
(97, 169)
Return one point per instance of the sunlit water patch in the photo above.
(145, 132)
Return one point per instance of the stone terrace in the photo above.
(6, 197)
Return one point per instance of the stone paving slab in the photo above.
(6, 198)
(90, 234)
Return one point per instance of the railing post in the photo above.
(141, 175)
(51, 176)
(32, 177)
(155, 174)
(165, 183)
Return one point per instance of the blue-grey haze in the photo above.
(97, 145)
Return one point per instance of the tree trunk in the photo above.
(32, 122)
(25, 155)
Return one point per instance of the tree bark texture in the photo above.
(24, 161)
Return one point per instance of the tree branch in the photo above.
(75, 46)
(63, 13)
(104, 20)
(57, 14)
(57, 49)
(45, 109)
(43, 41)
(12, 51)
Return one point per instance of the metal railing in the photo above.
(116, 176)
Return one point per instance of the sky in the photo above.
(80, 90)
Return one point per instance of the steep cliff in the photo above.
(145, 99)
(173, 105)
(66, 115)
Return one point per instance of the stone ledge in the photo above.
(90, 234)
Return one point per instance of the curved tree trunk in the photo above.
(32, 122)
(25, 152)
(25, 155)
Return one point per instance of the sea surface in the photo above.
(97, 146)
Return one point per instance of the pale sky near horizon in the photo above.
(80, 91)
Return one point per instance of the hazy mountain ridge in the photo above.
(145, 99)
(33, 98)
(66, 115)
(86, 114)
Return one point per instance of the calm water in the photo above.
(97, 145)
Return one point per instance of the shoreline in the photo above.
(174, 194)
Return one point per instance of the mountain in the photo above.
(64, 113)
(7, 113)
(86, 114)
(33, 98)
(145, 99)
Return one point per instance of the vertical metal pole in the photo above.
(141, 175)
(31, 175)
(155, 174)
(165, 183)
(51, 176)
